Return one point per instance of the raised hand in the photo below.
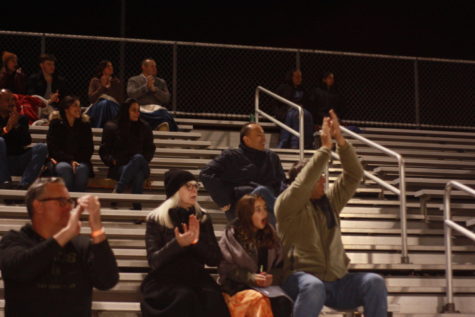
(93, 206)
(335, 130)
(72, 228)
(325, 134)
(191, 232)
(263, 279)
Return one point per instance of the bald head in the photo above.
(149, 67)
(6, 101)
(252, 135)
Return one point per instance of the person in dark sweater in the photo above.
(17, 156)
(249, 169)
(325, 97)
(47, 83)
(180, 241)
(293, 90)
(48, 268)
(70, 144)
(127, 148)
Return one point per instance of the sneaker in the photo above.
(163, 127)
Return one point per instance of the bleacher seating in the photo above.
(370, 221)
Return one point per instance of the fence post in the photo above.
(416, 94)
(174, 76)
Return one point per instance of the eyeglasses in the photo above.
(63, 202)
(191, 186)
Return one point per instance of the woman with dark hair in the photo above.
(105, 94)
(70, 144)
(325, 97)
(180, 241)
(252, 258)
(293, 91)
(127, 148)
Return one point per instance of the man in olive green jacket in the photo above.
(308, 222)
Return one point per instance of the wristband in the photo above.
(98, 232)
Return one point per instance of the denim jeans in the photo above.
(353, 290)
(102, 111)
(75, 181)
(134, 173)
(159, 116)
(28, 164)
(288, 140)
(269, 198)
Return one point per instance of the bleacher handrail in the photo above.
(258, 112)
(401, 192)
(449, 307)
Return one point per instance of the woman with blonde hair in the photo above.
(180, 241)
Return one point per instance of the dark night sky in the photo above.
(416, 28)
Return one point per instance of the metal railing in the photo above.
(258, 112)
(401, 192)
(449, 307)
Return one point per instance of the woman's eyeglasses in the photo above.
(63, 202)
(191, 186)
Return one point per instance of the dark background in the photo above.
(417, 28)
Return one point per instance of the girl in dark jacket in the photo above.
(70, 144)
(180, 241)
(252, 259)
(127, 148)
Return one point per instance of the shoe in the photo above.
(163, 127)
(7, 185)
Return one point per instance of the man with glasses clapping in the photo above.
(48, 268)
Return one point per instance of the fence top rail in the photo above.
(234, 46)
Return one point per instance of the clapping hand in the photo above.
(191, 232)
(263, 279)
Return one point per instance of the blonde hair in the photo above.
(161, 216)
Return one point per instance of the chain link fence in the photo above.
(221, 79)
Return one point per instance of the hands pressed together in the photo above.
(73, 228)
(263, 279)
(331, 130)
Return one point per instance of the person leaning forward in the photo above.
(308, 222)
(48, 268)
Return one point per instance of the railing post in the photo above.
(449, 307)
(302, 134)
(256, 105)
(403, 211)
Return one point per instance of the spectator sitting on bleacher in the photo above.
(152, 94)
(292, 90)
(252, 262)
(17, 156)
(127, 148)
(316, 264)
(11, 75)
(180, 241)
(48, 268)
(47, 84)
(70, 144)
(105, 94)
(250, 169)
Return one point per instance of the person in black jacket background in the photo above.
(70, 144)
(47, 83)
(249, 169)
(180, 241)
(325, 97)
(127, 148)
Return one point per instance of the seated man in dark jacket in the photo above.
(17, 157)
(249, 169)
(48, 268)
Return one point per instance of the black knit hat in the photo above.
(175, 178)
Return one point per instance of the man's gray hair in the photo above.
(37, 189)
